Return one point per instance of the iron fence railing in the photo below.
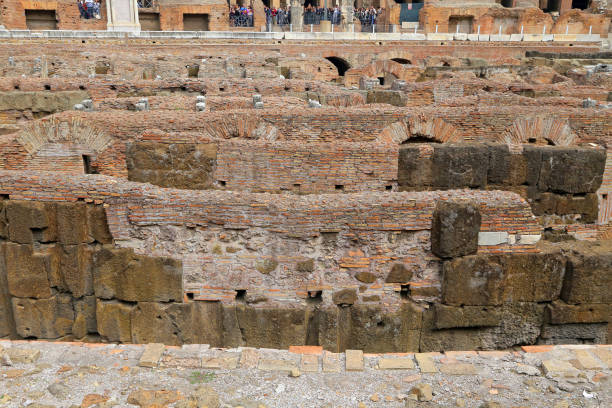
(146, 3)
(241, 20)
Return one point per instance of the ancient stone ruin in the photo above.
(383, 196)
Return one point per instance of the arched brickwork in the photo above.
(540, 130)
(432, 129)
(243, 127)
(36, 135)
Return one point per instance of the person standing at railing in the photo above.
(82, 8)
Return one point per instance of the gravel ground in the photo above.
(67, 375)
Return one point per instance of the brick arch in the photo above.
(396, 56)
(539, 129)
(245, 127)
(36, 135)
(433, 129)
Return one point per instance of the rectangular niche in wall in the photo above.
(195, 22)
(41, 19)
(464, 23)
(149, 21)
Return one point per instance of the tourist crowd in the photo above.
(89, 8)
(279, 16)
(241, 16)
(368, 16)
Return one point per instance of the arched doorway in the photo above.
(341, 65)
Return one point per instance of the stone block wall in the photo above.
(560, 183)
(62, 278)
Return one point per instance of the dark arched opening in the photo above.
(402, 61)
(341, 65)
(419, 138)
(580, 4)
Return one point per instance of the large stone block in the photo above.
(500, 164)
(31, 221)
(571, 169)
(519, 323)
(44, 318)
(4, 230)
(448, 317)
(179, 323)
(121, 274)
(75, 269)
(184, 165)
(585, 206)
(372, 328)
(578, 333)
(114, 320)
(29, 273)
(460, 166)
(589, 275)
(495, 279)
(454, 229)
(85, 317)
(275, 327)
(561, 313)
(97, 225)
(71, 223)
(7, 324)
(415, 171)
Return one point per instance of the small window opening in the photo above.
(87, 165)
(190, 295)
(405, 291)
(388, 188)
(17, 87)
(604, 196)
(222, 183)
(315, 296)
(339, 187)
(381, 80)
(47, 87)
(241, 295)
(532, 140)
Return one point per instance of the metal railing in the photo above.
(316, 16)
(147, 3)
(241, 20)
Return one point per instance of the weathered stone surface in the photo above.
(345, 297)
(114, 320)
(28, 272)
(151, 355)
(395, 364)
(454, 229)
(71, 223)
(354, 360)
(561, 313)
(574, 333)
(48, 102)
(172, 165)
(272, 326)
(423, 392)
(7, 324)
(460, 166)
(44, 318)
(500, 164)
(75, 269)
(369, 328)
(426, 363)
(589, 275)
(519, 323)
(571, 170)
(415, 172)
(153, 398)
(494, 279)
(458, 369)
(399, 274)
(97, 225)
(20, 355)
(85, 317)
(466, 316)
(586, 207)
(119, 273)
(31, 221)
(365, 277)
